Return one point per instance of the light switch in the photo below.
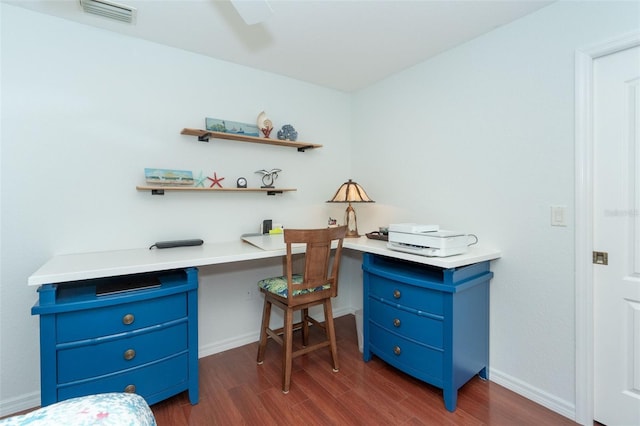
(558, 215)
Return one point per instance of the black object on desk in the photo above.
(376, 235)
(177, 243)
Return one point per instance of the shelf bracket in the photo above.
(274, 192)
(157, 192)
(205, 137)
(302, 148)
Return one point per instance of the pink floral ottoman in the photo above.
(107, 409)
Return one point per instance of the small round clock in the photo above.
(241, 182)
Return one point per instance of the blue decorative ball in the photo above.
(287, 133)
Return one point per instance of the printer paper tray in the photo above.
(427, 251)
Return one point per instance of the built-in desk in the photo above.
(66, 290)
(83, 266)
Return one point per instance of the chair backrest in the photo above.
(320, 266)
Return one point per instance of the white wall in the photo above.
(481, 138)
(483, 133)
(84, 111)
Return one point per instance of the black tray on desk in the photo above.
(375, 235)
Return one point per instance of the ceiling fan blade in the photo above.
(253, 11)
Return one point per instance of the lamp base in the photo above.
(351, 222)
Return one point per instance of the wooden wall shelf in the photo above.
(159, 190)
(205, 135)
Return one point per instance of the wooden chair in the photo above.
(298, 292)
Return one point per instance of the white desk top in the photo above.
(474, 255)
(73, 267)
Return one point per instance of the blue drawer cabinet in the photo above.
(429, 322)
(103, 336)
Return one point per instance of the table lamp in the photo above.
(351, 192)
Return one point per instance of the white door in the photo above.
(616, 216)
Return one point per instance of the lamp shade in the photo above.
(350, 192)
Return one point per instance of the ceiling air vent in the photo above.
(110, 10)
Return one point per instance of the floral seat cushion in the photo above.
(278, 285)
(107, 409)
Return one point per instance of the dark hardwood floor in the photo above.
(234, 390)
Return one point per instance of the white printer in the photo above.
(426, 240)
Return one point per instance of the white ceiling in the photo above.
(345, 45)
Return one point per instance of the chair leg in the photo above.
(266, 317)
(305, 327)
(331, 333)
(287, 350)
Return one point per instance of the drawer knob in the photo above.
(129, 354)
(128, 319)
(396, 294)
(130, 389)
(397, 350)
(396, 322)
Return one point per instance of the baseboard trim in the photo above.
(225, 345)
(245, 339)
(536, 395)
(18, 404)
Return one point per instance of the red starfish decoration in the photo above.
(215, 180)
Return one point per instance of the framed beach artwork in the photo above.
(226, 126)
(168, 177)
